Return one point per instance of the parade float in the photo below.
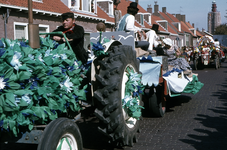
(207, 52)
(45, 89)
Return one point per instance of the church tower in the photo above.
(214, 18)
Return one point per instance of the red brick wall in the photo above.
(53, 21)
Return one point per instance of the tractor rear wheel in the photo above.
(109, 90)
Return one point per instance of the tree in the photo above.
(221, 30)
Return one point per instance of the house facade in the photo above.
(47, 13)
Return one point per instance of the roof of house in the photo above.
(47, 5)
(189, 25)
(185, 28)
(123, 7)
(174, 19)
(198, 33)
(154, 20)
(171, 28)
(104, 15)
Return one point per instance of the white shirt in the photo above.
(130, 21)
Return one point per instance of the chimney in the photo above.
(156, 9)
(149, 10)
(193, 25)
(183, 18)
(164, 10)
(178, 16)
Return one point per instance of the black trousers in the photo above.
(142, 44)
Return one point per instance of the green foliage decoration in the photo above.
(38, 85)
(133, 89)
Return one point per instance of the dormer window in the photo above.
(163, 23)
(177, 25)
(140, 18)
(107, 6)
(147, 17)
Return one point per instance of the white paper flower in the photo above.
(47, 53)
(126, 99)
(26, 99)
(76, 64)
(63, 56)
(2, 83)
(31, 56)
(15, 62)
(40, 58)
(56, 56)
(67, 84)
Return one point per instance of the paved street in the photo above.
(191, 121)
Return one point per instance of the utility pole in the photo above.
(5, 17)
(33, 29)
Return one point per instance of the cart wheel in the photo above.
(61, 134)
(157, 104)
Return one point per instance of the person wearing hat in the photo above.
(173, 52)
(152, 37)
(74, 34)
(127, 22)
(146, 41)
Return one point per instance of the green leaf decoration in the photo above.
(133, 89)
(40, 85)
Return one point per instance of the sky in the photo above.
(196, 11)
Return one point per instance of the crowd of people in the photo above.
(146, 40)
(149, 41)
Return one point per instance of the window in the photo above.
(111, 8)
(86, 5)
(141, 20)
(187, 40)
(43, 29)
(83, 5)
(37, 0)
(21, 30)
(163, 23)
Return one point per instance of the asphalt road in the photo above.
(192, 122)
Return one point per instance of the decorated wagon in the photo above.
(44, 90)
(207, 52)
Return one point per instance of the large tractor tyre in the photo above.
(156, 102)
(109, 92)
(61, 134)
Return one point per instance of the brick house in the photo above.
(47, 13)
